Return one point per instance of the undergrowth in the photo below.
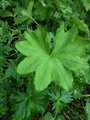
(45, 60)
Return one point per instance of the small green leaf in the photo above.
(81, 25)
(48, 116)
(87, 76)
(20, 19)
(86, 4)
(28, 11)
(30, 7)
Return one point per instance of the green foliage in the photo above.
(81, 25)
(65, 53)
(27, 104)
(44, 59)
(86, 4)
(87, 76)
(59, 99)
(88, 110)
(48, 116)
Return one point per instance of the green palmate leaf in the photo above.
(52, 64)
(28, 103)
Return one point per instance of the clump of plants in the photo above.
(44, 60)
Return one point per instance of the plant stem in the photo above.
(86, 95)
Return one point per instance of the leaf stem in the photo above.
(86, 95)
(34, 20)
